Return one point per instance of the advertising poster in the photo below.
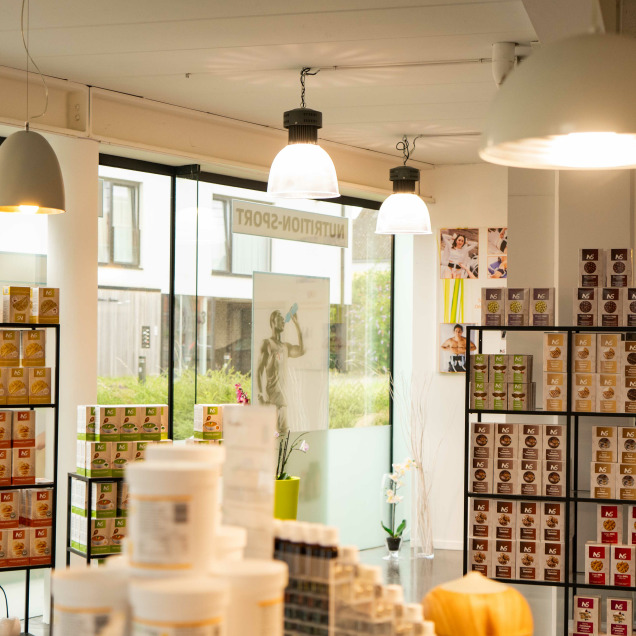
(452, 349)
(459, 253)
(290, 345)
(497, 252)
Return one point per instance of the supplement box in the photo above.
(609, 523)
(531, 441)
(97, 459)
(608, 353)
(18, 540)
(626, 482)
(118, 534)
(528, 520)
(628, 395)
(553, 522)
(479, 364)
(130, 424)
(139, 451)
(6, 425)
(505, 519)
(592, 268)
(9, 509)
(584, 392)
(36, 507)
(23, 429)
(6, 457)
(618, 268)
(150, 421)
(587, 615)
(584, 353)
(610, 307)
(482, 440)
(517, 306)
(504, 558)
(521, 397)
(39, 385)
(208, 421)
(498, 367)
(586, 307)
(122, 499)
(9, 348)
(555, 352)
(603, 480)
(529, 561)
(17, 386)
(554, 479)
(45, 305)
(33, 348)
(554, 442)
(505, 477)
(520, 369)
(608, 393)
(507, 441)
(23, 466)
(604, 444)
(122, 455)
(554, 391)
(597, 563)
(480, 555)
(626, 445)
(16, 304)
(481, 518)
(493, 306)
(107, 424)
(86, 423)
(479, 396)
(622, 565)
(629, 308)
(552, 561)
(619, 616)
(542, 306)
(530, 477)
(40, 546)
(498, 396)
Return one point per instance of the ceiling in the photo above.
(242, 60)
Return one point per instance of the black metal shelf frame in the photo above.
(573, 497)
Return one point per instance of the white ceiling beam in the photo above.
(557, 19)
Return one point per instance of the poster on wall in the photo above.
(497, 252)
(459, 253)
(290, 345)
(452, 348)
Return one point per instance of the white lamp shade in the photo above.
(403, 213)
(303, 171)
(30, 176)
(570, 105)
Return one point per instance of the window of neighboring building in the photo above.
(118, 223)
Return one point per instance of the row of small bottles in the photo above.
(354, 601)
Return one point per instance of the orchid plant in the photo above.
(241, 397)
(392, 497)
(285, 449)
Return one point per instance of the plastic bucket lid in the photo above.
(169, 478)
(252, 577)
(90, 587)
(179, 600)
(214, 455)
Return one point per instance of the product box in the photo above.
(480, 555)
(498, 396)
(619, 617)
(584, 353)
(208, 420)
(554, 442)
(107, 424)
(39, 385)
(520, 369)
(529, 561)
(542, 306)
(6, 424)
(104, 500)
(139, 452)
(552, 561)
(9, 508)
(555, 352)
(130, 423)
(554, 391)
(482, 440)
(481, 519)
(584, 392)
(122, 456)
(618, 268)
(101, 531)
(530, 477)
(18, 547)
(17, 386)
(86, 423)
(517, 306)
(604, 444)
(553, 522)
(629, 307)
(5, 466)
(40, 546)
(531, 441)
(23, 429)
(609, 523)
(608, 353)
(628, 356)
(505, 520)
(97, 459)
(628, 396)
(610, 307)
(122, 500)
(608, 393)
(45, 305)
(33, 348)
(481, 476)
(16, 304)
(521, 397)
(603, 480)
(626, 482)
(554, 479)
(631, 525)
(504, 558)
(528, 520)
(626, 444)
(150, 421)
(4, 385)
(165, 416)
(23, 466)
(507, 441)
(479, 364)
(479, 396)
(622, 565)
(493, 306)
(592, 268)
(597, 563)
(36, 508)
(4, 554)
(586, 301)
(505, 477)
(118, 534)
(587, 615)
(9, 348)
(499, 367)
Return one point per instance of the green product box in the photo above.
(150, 423)
(499, 367)
(129, 430)
(98, 460)
(480, 395)
(479, 367)
(122, 456)
(118, 534)
(499, 396)
(86, 423)
(520, 369)
(107, 424)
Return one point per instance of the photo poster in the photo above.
(452, 346)
(497, 252)
(290, 349)
(459, 253)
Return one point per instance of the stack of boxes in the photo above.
(17, 448)
(587, 616)
(613, 469)
(30, 305)
(555, 386)
(517, 307)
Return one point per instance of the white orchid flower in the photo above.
(410, 463)
(399, 469)
(392, 498)
(304, 446)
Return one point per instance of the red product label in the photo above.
(609, 512)
(584, 628)
(597, 578)
(623, 580)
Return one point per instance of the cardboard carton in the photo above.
(584, 392)
(86, 423)
(45, 305)
(6, 458)
(505, 519)
(531, 441)
(16, 304)
(505, 477)
(586, 300)
(122, 499)
(507, 441)
(619, 268)
(17, 386)
(122, 456)
(628, 396)
(552, 561)
(592, 267)
(37, 509)
(33, 348)
(529, 561)
(208, 420)
(481, 518)
(619, 616)
(4, 385)
(479, 398)
(479, 364)
(493, 306)
(609, 523)
(139, 452)
(608, 393)
(517, 306)
(622, 565)
(118, 534)
(9, 509)
(23, 429)
(542, 307)
(608, 353)
(528, 520)
(40, 546)
(610, 307)
(584, 353)
(597, 563)
(626, 445)
(130, 423)
(553, 522)
(480, 555)
(40, 385)
(554, 479)
(521, 397)
(554, 391)
(530, 477)
(626, 482)
(603, 480)
(107, 424)
(98, 460)
(9, 348)
(629, 307)
(604, 444)
(23, 466)
(18, 547)
(499, 367)
(587, 616)
(505, 559)
(6, 425)
(554, 442)
(483, 440)
(498, 396)
(555, 352)
(150, 423)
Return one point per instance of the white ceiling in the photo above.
(244, 59)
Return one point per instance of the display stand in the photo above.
(89, 481)
(573, 496)
(40, 484)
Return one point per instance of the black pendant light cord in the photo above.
(25, 42)
(405, 146)
(303, 74)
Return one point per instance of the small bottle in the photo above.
(294, 549)
(285, 544)
(329, 539)
(304, 562)
(312, 553)
(277, 527)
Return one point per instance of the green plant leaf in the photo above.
(387, 530)
(400, 528)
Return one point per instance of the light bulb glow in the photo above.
(303, 171)
(403, 213)
(28, 209)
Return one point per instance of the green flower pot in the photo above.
(286, 498)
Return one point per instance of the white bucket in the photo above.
(229, 543)
(256, 597)
(88, 600)
(179, 607)
(214, 455)
(172, 517)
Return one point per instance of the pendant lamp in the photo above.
(403, 212)
(30, 175)
(303, 170)
(569, 106)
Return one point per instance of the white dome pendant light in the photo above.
(30, 175)
(570, 105)
(403, 212)
(302, 169)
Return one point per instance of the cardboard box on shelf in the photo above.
(482, 440)
(585, 307)
(628, 396)
(6, 425)
(9, 509)
(480, 555)
(45, 305)
(505, 477)
(481, 476)
(101, 531)
(122, 456)
(4, 541)
(555, 352)
(604, 444)
(592, 267)
(584, 392)
(554, 391)
(554, 479)
(33, 348)
(17, 386)
(520, 369)
(587, 615)
(619, 616)
(6, 457)
(498, 396)
(118, 534)
(507, 441)
(150, 423)
(629, 307)
(479, 364)
(208, 419)
(505, 519)
(493, 306)
(481, 518)
(139, 451)
(36, 509)
(98, 460)
(479, 397)
(608, 353)
(608, 393)
(597, 563)
(626, 482)
(631, 525)
(628, 356)
(39, 385)
(40, 546)
(626, 445)
(122, 499)
(552, 522)
(86, 423)
(165, 416)
(528, 520)
(23, 429)
(603, 480)
(618, 268)
(531, 441)
(552, 561)
(542, 306)
(4, 385)
(9, 348)
(610, 307)
(16, 304)
(530, 477)
(108, 424)
(517, 306)
(521, 397)
(622, 565)
(554, 442)
(23, 466)
(130, 424)
(18, 547)
(498, 368)
(609, 523)
(504, 558)
(584, 352)
(528, 562)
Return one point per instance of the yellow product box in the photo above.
(608, 353)
(529, 561)
(555, 352)
(584, 353)
(17, 386)
(626, 445)
(554, 391)
(626, 482)
(18, 547)
(86, 423)
(23, 466)
(4, 385)
(504, 558)
(45, 305)
(608, 393)
(40, 385)
(605, 444)
(584, 392)
(16, 304)
(34, 348)
(603, 480)
(6, 425)
(40, 547)
(36, 509)
(9, 509)
(208, 421)
(5, 466)
(9, 348)
(23, 429)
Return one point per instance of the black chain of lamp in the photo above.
(303, 123)
(303, 74)
(405, 177)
